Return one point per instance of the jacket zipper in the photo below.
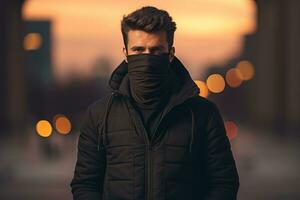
(149, 173)
(149, 146)
(148, 181)
(149, 167)
(149, 149)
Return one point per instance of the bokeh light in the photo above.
(32, 41)
(231, 129)
(62, 124)
(247, 69)
(203, 88)
(215, 83)
(234, 77)
(43, 128)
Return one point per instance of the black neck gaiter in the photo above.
(150, 78)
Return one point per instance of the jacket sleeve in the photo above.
(89, 170)
(222, 174)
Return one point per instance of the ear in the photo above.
(125, 54)
(172, 54)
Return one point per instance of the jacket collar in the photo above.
(184, 88)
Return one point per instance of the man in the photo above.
(153, 137)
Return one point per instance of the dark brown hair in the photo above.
(148, 19)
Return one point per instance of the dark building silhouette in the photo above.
(12, 72)
(271, 99)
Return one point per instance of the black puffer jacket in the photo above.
(189, 156)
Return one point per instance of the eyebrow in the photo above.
(142, 47)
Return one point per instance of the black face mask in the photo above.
(150, 79)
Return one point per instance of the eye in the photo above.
(157, 51)
(138, 49)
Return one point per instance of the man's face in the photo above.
(141, 42)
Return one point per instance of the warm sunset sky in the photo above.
(208, 31)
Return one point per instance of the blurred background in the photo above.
(56, 57)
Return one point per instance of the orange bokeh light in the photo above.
(43, 128)
(246, 69)
(215, 83)
(32, 41)
(203, 88)
(231, 129)
(234, 77)
(62, 124)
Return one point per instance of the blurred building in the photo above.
(271, 99)
(275, 95)
(37, 43)
(12, 71)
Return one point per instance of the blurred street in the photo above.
(268, 167)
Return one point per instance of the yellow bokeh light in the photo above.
(215, 83)
(247, 69)
(62, 124)
(32, 41)
(203, 88)
(43, 128)
(234, 77)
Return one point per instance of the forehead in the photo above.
(142, 38)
